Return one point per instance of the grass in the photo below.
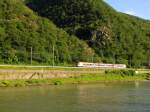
(28, 67)
(25, 67)
(89, 78)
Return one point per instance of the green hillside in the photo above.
(21, 29)
(67, 31)
(114, 36)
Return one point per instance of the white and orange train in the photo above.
(101, 65)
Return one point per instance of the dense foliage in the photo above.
(121, 72)
(103, 33)
(115, 37)
(21, 29)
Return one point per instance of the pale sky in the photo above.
(139, 8)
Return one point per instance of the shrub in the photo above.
(20, 84)
(121, 72)
(57, 82)
(147, 76)
(6, 83)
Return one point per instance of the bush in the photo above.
(57, 82)
(121, 72)
(19, 84)
(6, 83)
(147, 76)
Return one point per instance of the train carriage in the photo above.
(101, 65)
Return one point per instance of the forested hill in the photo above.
(114, 36)
(24, 36)
(67, 31)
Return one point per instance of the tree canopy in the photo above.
(68, 31)
(21, 29)
(115, 37)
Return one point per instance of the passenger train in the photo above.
(101, 65)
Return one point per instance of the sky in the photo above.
(139, 8)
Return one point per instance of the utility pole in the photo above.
(130, 60)
(92, 58)
(53, 56)
(31, 53)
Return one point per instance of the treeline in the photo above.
(25, 36)
(114, 36)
